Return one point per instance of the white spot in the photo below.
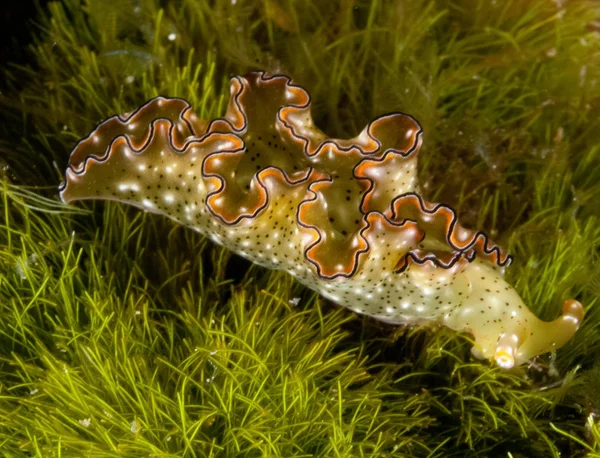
(134, 427)
(85, 422)
(172, 36)
(147, 203)
(295, 301)
(571, 318)
(169, 198)
(130, 79)
(141, 167)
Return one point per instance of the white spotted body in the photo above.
(344, 217)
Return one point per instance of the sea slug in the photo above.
(344, 217)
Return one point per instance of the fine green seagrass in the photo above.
(126, 334)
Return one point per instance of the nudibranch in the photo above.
(344, 217)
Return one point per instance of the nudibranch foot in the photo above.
(506, 348)
(343, 216)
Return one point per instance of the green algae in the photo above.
(124, 335)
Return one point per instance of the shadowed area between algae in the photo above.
(123, 334)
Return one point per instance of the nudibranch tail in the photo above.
(520, 345)
(551, 335)
(343, 216)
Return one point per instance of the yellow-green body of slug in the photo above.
(345, 217)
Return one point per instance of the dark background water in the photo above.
(16, 25)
